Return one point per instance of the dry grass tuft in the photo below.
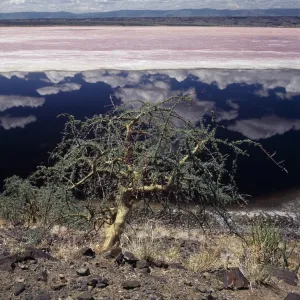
(65, 251)
(217, 251)
(141, 241)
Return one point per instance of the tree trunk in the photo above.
(114, 231)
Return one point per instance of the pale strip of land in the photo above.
(141, 48)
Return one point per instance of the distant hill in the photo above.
(154, 14)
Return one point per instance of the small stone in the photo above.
(88, 252)
(211, 297)
(92, 282)
(119, 259)
(85, 296)
(19, 288)
(142, 264)
(23, 267)
(292, 296)
(289, 277)
(131, 284)
(129, 257)
(235, 279)
(84, 271)
(81, 286)
(159, 264)
(206, 275)
(57, 287)
(202, 289)
(101, 285)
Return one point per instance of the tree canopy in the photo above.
(142, 152)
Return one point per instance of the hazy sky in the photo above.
(107, 5)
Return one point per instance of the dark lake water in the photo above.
(263, 105)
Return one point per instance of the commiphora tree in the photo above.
(143, 152)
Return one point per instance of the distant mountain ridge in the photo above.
(207, 12)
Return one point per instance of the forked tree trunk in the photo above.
(114, 231)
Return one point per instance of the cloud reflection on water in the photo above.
(10, 101)
(202, 85)
(52, 90)
(8, 122)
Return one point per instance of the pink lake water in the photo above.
(136, 48)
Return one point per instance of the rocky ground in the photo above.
(64, 266)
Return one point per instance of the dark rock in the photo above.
(142, 264)
(289, 277)
(84, 271)
(235, 279)
(119, 259)
(292, 296)
(131, 284)
(158, 264)
(92, 282)
(43, 276)
(8, 263)
(58, 287)
(85, 296)
(79, 285)
(32, 254)
(129, 258)
(88, 252)
(99, 282)
(19, 288)
(211, 297)
(101, 285)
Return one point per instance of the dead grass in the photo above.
(141, 241)
(67, 245)
(217, 251)
(146, 241)
(256, 254)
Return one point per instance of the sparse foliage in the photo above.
(26, 203)
(137, 153)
